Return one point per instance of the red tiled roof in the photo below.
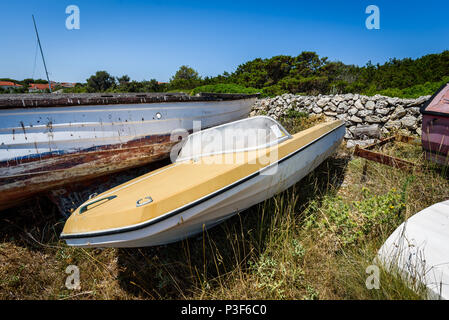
(9, 83)
(40, 86)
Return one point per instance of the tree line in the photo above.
(307, 73)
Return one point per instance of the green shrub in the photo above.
(412, 92)
(352, 222)
(224, 88)
(272, 91)
(292, 113)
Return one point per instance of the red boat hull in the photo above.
(435, 127)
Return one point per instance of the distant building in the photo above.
(36, 87)
(39, 87)
(8, 85)
(67, 84)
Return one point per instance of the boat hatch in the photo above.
(243, 135)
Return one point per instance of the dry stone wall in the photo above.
(366, 118)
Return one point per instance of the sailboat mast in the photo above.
(42, 53)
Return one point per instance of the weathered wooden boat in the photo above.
(418, 251)
(218, 173)
(47, 141)
(435, 126)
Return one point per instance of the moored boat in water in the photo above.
(218, 173)
(48, 141)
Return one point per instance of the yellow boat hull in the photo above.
(182, 199)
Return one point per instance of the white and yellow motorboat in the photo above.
(217, 173)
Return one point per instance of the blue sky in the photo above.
(151, 39)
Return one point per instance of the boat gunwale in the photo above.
(42, 100)
(179, 210)
(423, 109)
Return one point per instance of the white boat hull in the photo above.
(418, 251)
(46, 148)
(36, 132)
(234, 199)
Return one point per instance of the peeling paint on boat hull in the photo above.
(42, 150)
(57, 171)
(435, 126)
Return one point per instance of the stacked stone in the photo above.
(366, 118)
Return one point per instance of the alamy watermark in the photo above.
(373, 280)
(373, 20)
(73, 20)
(72, 282)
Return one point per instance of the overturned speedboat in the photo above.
(217, 173)
(417, 251)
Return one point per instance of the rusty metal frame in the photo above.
(394, 162)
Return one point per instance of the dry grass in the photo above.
(293, 246)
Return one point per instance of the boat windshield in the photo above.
(243, 135)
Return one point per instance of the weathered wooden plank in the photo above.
(383, 158)
(75, 99)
